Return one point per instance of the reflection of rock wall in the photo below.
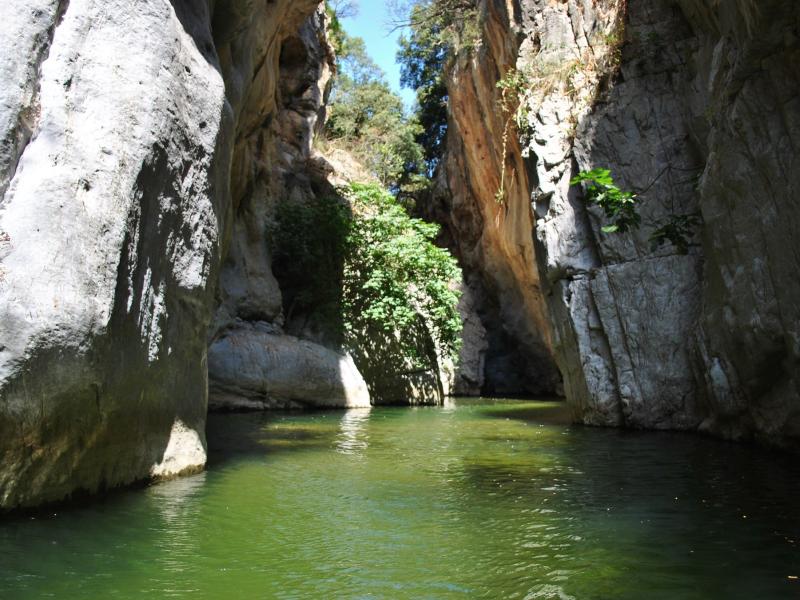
(117, 134)
(701, 111)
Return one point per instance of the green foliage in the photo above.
(354, 63)
(513, 87)
(677, 230)
(438, 30)
(395, 276)
(336, 33)
(369, 272)
(619, 206)
(308, 242)
(369, 120)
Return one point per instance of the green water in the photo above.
(483, 499)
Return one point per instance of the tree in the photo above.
(355, 63)
(396, 279)
(343, 9)
(368, 273)
(438, 29)
(369, 119)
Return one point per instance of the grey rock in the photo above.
(252, 367)
(118, 130)
(695, 106)
(468, 378)
(112, 220)
(703, 341)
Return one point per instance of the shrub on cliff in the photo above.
(620, 208)
(309, 243)
(396, 281)
(369, 119)
(371, 273)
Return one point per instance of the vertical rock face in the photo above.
(622, 313)
(253, 363)
(697, 109)
(747, 340)
(493, 239)
(118, 128)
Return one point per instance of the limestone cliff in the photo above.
(253, 362)
(144, 146)
(131, 138)
(492, 239)
(697, 109)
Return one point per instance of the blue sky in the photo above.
(371, 23)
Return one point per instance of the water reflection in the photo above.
(492, 499)
(352, 437)
(174, 501)
(172, 497)
(449, 404)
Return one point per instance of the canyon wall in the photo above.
(507, 347)
(696, 109)
(144, 147)
(256, 359)
(129, 145)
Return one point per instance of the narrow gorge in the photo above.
(188, 226)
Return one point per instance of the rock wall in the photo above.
(747, 341)
(492, 239)
(252, 362)
(129, 136)
(621, 312)
(696, 108)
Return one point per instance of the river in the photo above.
(478, 499)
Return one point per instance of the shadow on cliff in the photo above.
(202, 26)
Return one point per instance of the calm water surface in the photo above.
(493, 499)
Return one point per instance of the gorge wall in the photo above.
(144, 147)
(129, 151)
(253, 362)
(697, 109)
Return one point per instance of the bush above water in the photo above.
(370, 273)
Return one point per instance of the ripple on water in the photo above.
(480, 499)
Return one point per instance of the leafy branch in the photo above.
(677, 230)
(620, 207)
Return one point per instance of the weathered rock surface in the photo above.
(747, 343)
(629, 311)
(118, 128)
(493, 239)
(257, 367)
(681, 121)
(252, 363)
(468, 378)
(697, 108)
